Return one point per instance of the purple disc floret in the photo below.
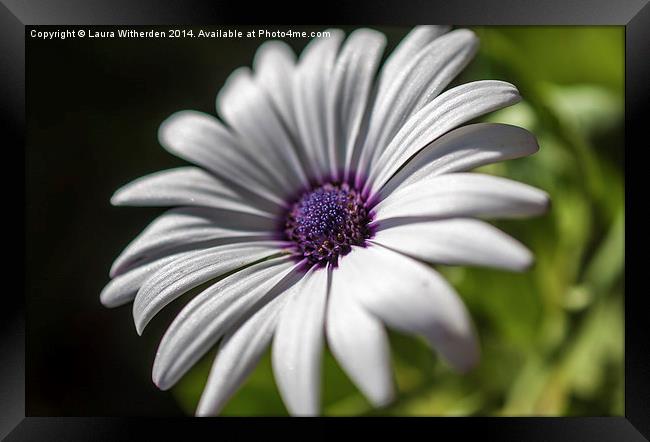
(326, 221)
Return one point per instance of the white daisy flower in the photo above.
(318, 201)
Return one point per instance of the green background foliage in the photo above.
(551, 338)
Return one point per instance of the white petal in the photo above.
(248, 110)
(421, 79)
(274, 67)
(203, 140)
(213, 312)
(456, 242)
(191, 228)
(239, 353)
(298, 344)
(199, 267)
(122, 288)
(445, 112)
(357, 339)
(349, 90)
(462, 195)
(275, 72)
(463, 149)
(412, 297)
(310, 93)
(406, 50)
(183, 186)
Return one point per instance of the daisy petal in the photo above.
(203, 140)
(462, 195)
(412, 297)
(310, 92)
(298, 344)
(239, 353)
(213, 312)
(350, 87)
(248, 110)
(456, 242)
(199, 267)
(420, 80)
(274, 67)
(122, 289)
(357, 339)
(191, 228)
(183, 186)
(406, 50)
(445, 112)
(463, 149)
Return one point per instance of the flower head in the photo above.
(315, 206)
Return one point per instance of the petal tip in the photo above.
(526, 263)
(376, 37)
(138, 320)
(167, 127)
(157, 382)
(468, 34)
(105, 298)
(523, 258)
(139, 327)
(383, 399)
(159, 378)
(202, 413)
(117, 198)
(270, 48)
(116, 268)
(544, 204)
(534, 144)
(122, 196)
(547, 204)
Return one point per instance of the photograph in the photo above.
(296, 220)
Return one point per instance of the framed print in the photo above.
(379, 223)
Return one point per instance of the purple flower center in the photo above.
(325, 222)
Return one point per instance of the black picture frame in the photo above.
(15, 15)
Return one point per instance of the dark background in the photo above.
(93, 111)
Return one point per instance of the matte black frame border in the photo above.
(633, 14)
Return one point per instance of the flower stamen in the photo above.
(325, 222)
